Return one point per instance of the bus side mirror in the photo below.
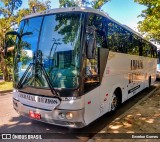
(6, 42)
(16, 34)
(27, 33)
(91, 43)
(91, 47)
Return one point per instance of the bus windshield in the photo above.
(53, 48)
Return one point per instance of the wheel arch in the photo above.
(119, 93)
(117, 88)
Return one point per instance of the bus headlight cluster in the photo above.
(61, 115)
(68, 115)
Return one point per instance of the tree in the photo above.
(34, 6)
(38, 6)
(151, 22)
(11, 17)
(6, 23)
(97, 4)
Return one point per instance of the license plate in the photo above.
(34, 115)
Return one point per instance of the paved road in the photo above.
(11, 122)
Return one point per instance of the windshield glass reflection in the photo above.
(59, 45)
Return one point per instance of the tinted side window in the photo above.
(96, 21)
(113, 36)
(117, 37)
(153, 51)
(134, 49)
(126, 40)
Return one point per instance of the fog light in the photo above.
(69, 115)
(61, 115)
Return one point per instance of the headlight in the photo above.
(69, 115)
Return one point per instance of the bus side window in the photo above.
(117, 37)
(154, 52)
(140, 44)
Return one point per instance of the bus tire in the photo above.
(116, 99)
(149, 82)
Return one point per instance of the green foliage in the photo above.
(9, 6)
(7, 11)
(1, 73)
(97, 4)
(11, 17)
(39, 6)
(151, 22)
(67, 3)
(33, 4)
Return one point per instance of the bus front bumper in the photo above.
(55, 116)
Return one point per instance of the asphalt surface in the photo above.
(11, 122)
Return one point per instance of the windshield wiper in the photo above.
(38, 68)
(24, 75)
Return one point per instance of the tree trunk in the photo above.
(4, 68)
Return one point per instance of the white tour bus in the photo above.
(73, 65)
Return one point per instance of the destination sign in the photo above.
(35, 100)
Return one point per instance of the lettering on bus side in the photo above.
(136, 65)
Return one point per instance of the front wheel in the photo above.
(115, 101)
(149, 82)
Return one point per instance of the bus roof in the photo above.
(67, 9)
(82, 9)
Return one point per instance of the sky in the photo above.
(123, 11)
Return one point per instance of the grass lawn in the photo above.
(6, 85)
